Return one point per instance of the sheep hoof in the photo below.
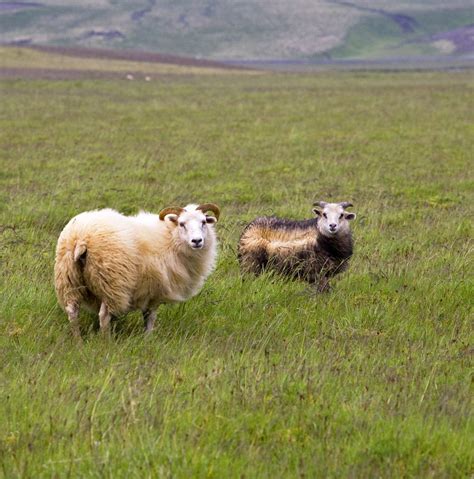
(72, 311)
(323, 288)
(104, 319)
(149, 317)
(76, 335)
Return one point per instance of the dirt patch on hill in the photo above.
(61, 63)
(134, 56)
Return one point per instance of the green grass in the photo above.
(253, 377)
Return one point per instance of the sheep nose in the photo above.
(196, 241)
(333, 226)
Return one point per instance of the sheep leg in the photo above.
(104, 318)
(323, 285)
(72, 311)
(149, 317)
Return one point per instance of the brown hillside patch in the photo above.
(73, 63)
(134, 56)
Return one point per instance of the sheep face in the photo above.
(192, 226)
(333, 219)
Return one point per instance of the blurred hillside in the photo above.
(246, 29)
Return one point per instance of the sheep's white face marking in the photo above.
(333, 219)
(192, 226)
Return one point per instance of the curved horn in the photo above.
(171, 210)
(210, 207)
(322, 204)
(346, 204)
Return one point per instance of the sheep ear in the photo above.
(171, 217)
(350, 216)
(211, 220)
(316, 212)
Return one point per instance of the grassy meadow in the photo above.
(255, 377)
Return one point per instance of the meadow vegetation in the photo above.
(255, 377)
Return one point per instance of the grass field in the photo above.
(253, 377)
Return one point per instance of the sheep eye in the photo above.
(325, 215)
(340, 217)
(182, 225)
(203, 223)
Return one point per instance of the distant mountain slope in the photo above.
(247, 29)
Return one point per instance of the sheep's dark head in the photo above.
(333, 217)
(192, 222)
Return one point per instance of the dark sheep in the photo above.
(313, 250)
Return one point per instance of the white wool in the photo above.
(132, 262)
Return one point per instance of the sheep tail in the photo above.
(68, 274)
(80, 250)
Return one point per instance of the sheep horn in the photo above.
(210, 207)
(322, 204)
(346, 204)
(171, 210)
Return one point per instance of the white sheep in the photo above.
(114, 264)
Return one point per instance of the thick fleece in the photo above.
(129, 262)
